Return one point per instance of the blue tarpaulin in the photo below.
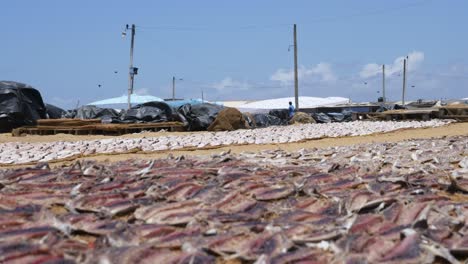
(134, 99)
(179, 103)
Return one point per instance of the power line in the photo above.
(224, 28)
(274, 26)
(370, 13)
(203, 84)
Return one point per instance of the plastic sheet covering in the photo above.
(199, 117)
(265, 120)
(54, 112)
(179, 103)
(397, 106)
(92, 112)
(345, 116)
(151, 112)
(20, 105)
(282, 114)
(387, 107)
(249, 119)
(322, 118)
(421, 104)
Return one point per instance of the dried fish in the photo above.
(267, 207)
(13, 153)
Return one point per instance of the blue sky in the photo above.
(235, 49)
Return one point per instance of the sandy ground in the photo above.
(7, 137)
(455, 129)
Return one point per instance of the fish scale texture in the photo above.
(374, 203)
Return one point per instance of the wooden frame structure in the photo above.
(91, 127)
(457, 112)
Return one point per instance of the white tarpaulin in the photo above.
(134, 99)
(304, 102)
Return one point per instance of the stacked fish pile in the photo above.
(21, 153)
(315, 206)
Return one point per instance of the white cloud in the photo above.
(370, 70)
(229, 83)
(283, 75)
(320, 80)
(322, 70)
(415, 59)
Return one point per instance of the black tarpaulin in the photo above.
(282, 114)
(93, 112)
(151, 112)
(345, 116)
(54, 112)
(266, 120)
(199, 117)
(20, 105)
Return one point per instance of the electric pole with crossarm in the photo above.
(132, 71)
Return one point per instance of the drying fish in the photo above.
(13, 153)
(371, 203)
(303, 256)
(146, 254)
(302, 234)
(272, 193)
(358, 202)
(228, 244)
(270, 245)
(459, 184)
(235, 203)
(170, 213)
(182, 192)
(26, 233)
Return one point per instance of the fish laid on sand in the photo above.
(21, 153)
(403, 202)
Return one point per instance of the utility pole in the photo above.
(407, 71)
(173, 88)
(404, 82)
(383, 82)
(131, 72)
(296, 81)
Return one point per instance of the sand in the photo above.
(455, 129)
